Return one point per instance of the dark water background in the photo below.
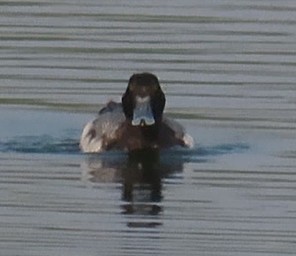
(228, 70)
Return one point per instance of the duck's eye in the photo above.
(132, 87)
(155, 87)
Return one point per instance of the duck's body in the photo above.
(137, 123)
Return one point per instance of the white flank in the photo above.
(188, 140)
(90, 144)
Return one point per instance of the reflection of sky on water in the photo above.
(227, 67)
(141, 174)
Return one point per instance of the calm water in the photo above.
(228, 69)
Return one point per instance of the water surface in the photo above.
(228, 70)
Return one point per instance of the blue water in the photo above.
(228, 71)
(43, 132)
(49, 144)
(58, 134)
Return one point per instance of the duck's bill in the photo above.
(143, 115)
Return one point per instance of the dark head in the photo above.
(143, 101)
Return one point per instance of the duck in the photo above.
(136, 123)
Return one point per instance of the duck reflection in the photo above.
(141, 174)
(143, 171)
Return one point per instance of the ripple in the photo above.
(40, 144)
(49, 144)
(227, 68)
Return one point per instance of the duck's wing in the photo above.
(176, 132)
(100, 133)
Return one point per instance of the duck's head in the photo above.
(143, 101)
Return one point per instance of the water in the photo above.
(228, 70)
